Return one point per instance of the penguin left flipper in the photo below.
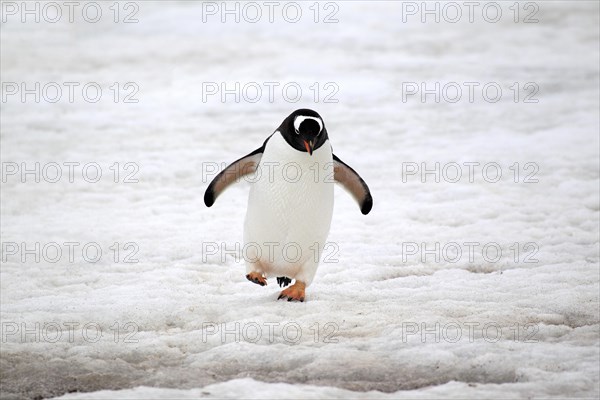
(236, 170)
(353, 183)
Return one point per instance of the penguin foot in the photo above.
(283, 281)
(257, 278)
(294, 292)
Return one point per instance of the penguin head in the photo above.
(304, 130)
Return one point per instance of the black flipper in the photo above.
(353, 183)
(239, 168)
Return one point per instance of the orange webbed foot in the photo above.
(257, 278)
(294, 292)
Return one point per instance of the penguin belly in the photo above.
(290, 206)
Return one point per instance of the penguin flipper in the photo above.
(353, 183)
(236, 170)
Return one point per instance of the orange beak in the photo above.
(309, 147)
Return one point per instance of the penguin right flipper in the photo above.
(353, 183)
(236, 170)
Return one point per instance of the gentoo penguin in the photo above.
(291, 201)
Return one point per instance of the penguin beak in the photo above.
(308, 144)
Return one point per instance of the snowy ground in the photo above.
(379, 321)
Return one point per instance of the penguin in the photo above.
(290, 204)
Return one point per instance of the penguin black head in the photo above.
(304, 130)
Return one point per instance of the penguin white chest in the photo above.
(289, 209)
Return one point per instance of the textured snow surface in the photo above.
(527, 329)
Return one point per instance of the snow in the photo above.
(189, 322)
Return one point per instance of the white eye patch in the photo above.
(299, 119)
